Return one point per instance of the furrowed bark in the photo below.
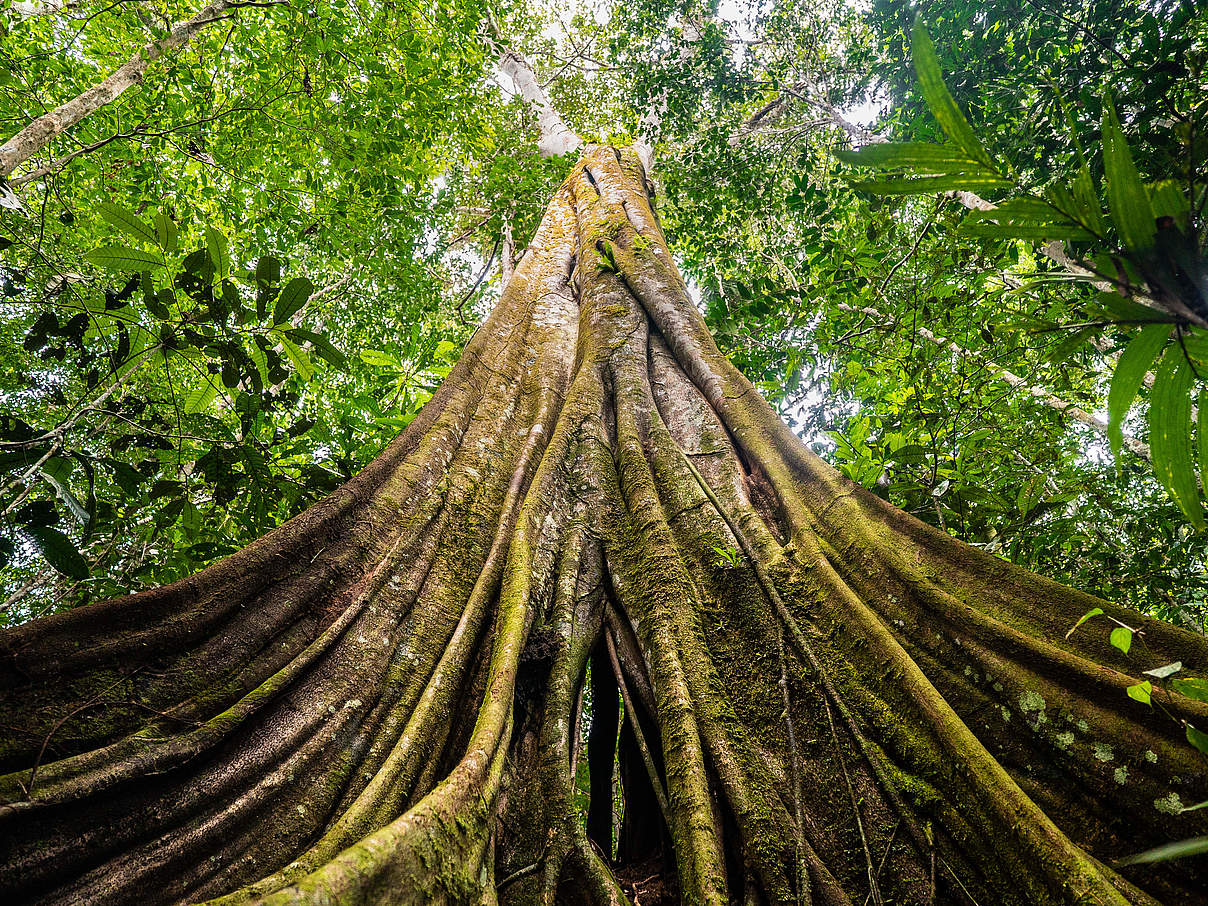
(379, 702)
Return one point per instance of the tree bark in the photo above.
(377, 702)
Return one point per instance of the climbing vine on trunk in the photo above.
(818, 698)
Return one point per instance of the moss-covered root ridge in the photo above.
(596, 559)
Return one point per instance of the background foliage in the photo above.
(364, 160)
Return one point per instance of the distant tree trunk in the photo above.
(376, 703)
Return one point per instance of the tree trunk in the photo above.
(376, 703)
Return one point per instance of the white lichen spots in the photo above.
(1103, 751)
(1083, 726)
(1170, 804)
(1121, 775)
(1064, 739)
(473, 473)
(1031, 701)
(1151, 756)
(353, 703)
(301, 809)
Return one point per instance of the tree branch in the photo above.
(43, 130)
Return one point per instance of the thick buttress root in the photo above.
(811, 697)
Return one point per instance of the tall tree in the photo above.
(824, 699)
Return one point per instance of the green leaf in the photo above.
(1025, 217)
(924, 185)
(58, 550)
(1201, 435)
(1169, 433)
(128, 222)
(1142, 692)
(166, 235)
(202, 395)
(1121, 638)
(1197, 738)
(322, 346)
(268, 270)
(121, 259)
(1093, 612)
(922, 156)
(293, 296)
(1137, 358)
(1030, 231)
(299, 359)
(379, 359)
(1164, 853)
(1193, 687)
(216, 246)
(938, 98)
(1127, 196)
(1168, 200)
(1089, 208)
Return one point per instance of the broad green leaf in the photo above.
(1137, 358)
(1197, 738)
(202, 395)
(1201, 435)
(1093, 612)
(121, 259)
(1121, 638)
(1142, 692)
(260, 358)
(1168, 200)
(379, 359)
(322, 346)
(1125, 310)
(1089, 209)
(1193, 687)
(128, 222)
(59, 550)
(1169, 433)
(924, 185)
(1025, 217)
(921, 156)
(293, 296)
(166, 235)
(1030, 231)
(939, 100)
(1127, 197)
(216, 246)
(1167, 851)
(300, 359)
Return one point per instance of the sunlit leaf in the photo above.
(1169, 433)
(1138, 357)
(939, 99)
(1127, 197)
